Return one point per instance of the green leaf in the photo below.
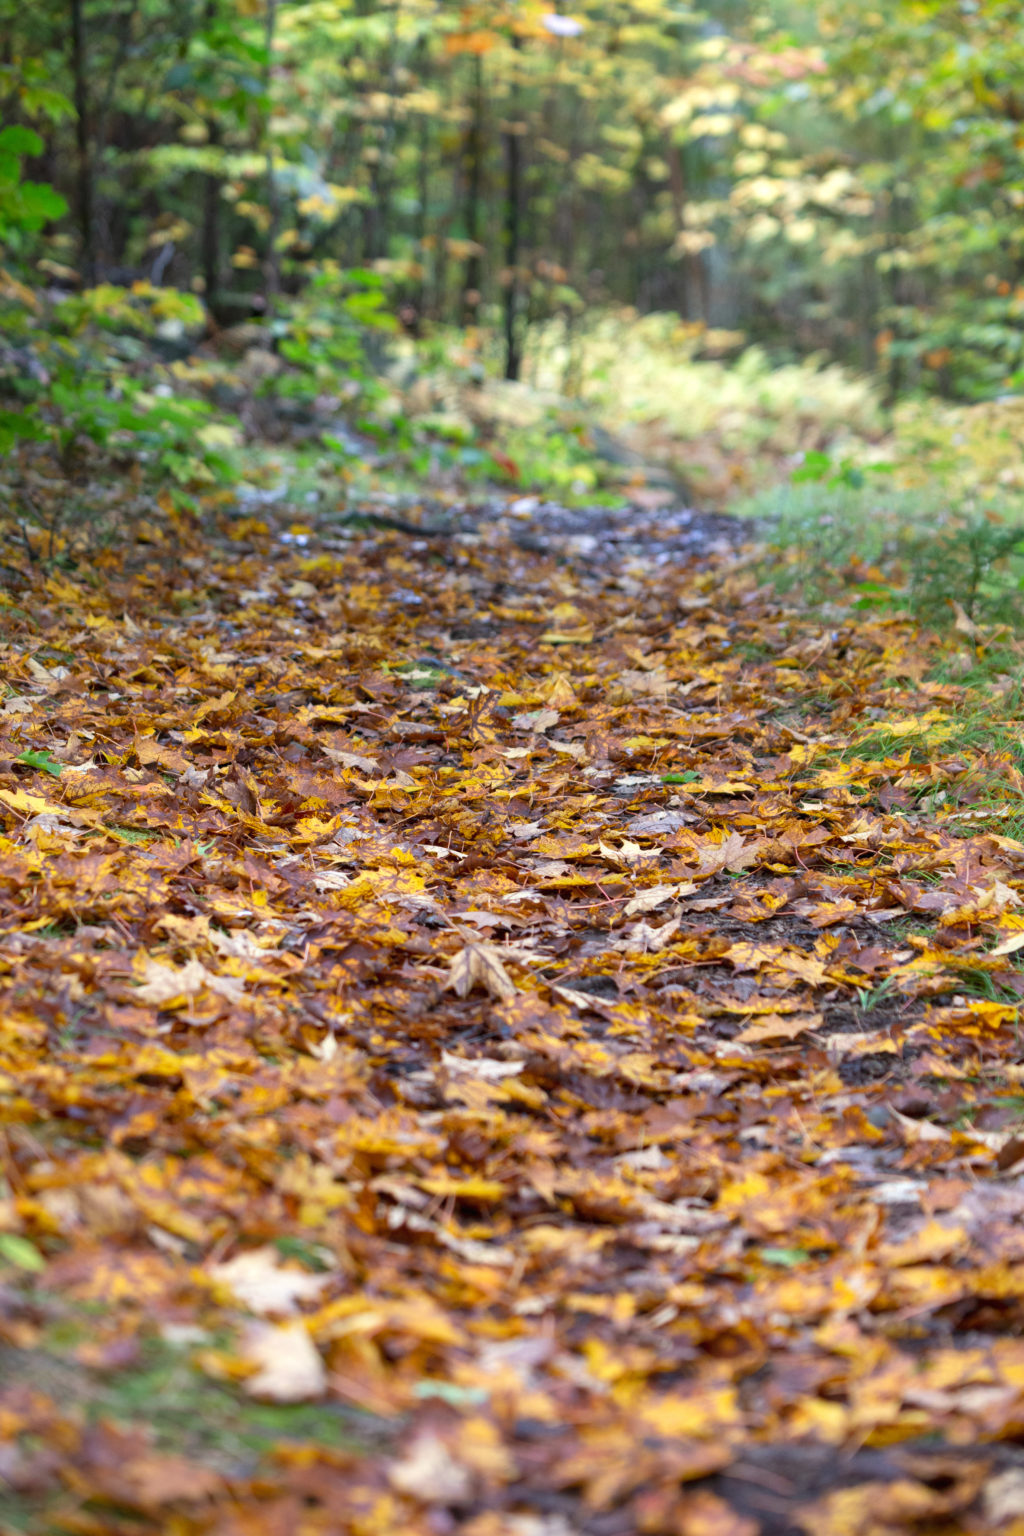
(21, 1253)
(15, 140)
(816, 466)
(51, 103)
(314, 1256)
(41, 202)
(19, 427)
(787, 1257)
(689, 777)
(40, 758)
(451, 1393)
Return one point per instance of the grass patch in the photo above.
(863, 542)
(134, 834)
(185, 1412)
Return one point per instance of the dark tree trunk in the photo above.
(271, 263)
(85, 198)
(474, 171)
(513, 218)
(383, 174)
(210, 243)
(210, 237)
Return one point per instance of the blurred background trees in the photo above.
(818, 178)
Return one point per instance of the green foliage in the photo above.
(139, 310)
(24, 205)
(41, 759)
(328, 335)
(852, 537)
(19, 1253)
(19, 427)
(838, 182)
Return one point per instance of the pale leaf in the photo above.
(289, 1368)
(627, 854)
(650, 900)
(259, 1282)
(163, 985)
(480, 965)
(490, 1068)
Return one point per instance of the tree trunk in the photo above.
(271, 263)
(383, 171)
(85, 197)
(474, 170)
(209, 243)
(513, 202)
(209, 239)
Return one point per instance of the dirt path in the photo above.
(507, 1034)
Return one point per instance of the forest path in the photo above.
(507, 1034)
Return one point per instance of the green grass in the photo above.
(870, 998)
(865, 543)
(134, 834)
(185, 1412)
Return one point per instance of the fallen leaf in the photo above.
(775, 1026)
(260, 1282)
(288, 1367)
(656, 896)
(480, 965)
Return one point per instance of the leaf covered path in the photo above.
(544, 1019)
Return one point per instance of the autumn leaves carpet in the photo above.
(501, 1041)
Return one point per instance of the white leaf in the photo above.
(628, 854)
(163, 984)
(258, 1281)
(536, 720)
(240, 945)
(290, 1370)
(648, 901)
(491, 1068)
(429, 1472)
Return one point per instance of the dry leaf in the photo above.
(428, 1472)
(656, 896)
(776, 1026)
(166, 986)
(261, 1283)
(289, 1369)
(480, 965)
(491, 1069)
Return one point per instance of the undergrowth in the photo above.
(119, 404)
(876, 545)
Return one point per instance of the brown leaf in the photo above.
(775, 1026)
(480, 965)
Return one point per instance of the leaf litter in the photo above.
(495, 990)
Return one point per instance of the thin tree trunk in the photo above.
(209, 240)
(271, 264)
(85, 197)
(420, 289)
(513, 206)
(474, 156)
(383, 176)
(210, 244)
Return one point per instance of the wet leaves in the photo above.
(560, 1055)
